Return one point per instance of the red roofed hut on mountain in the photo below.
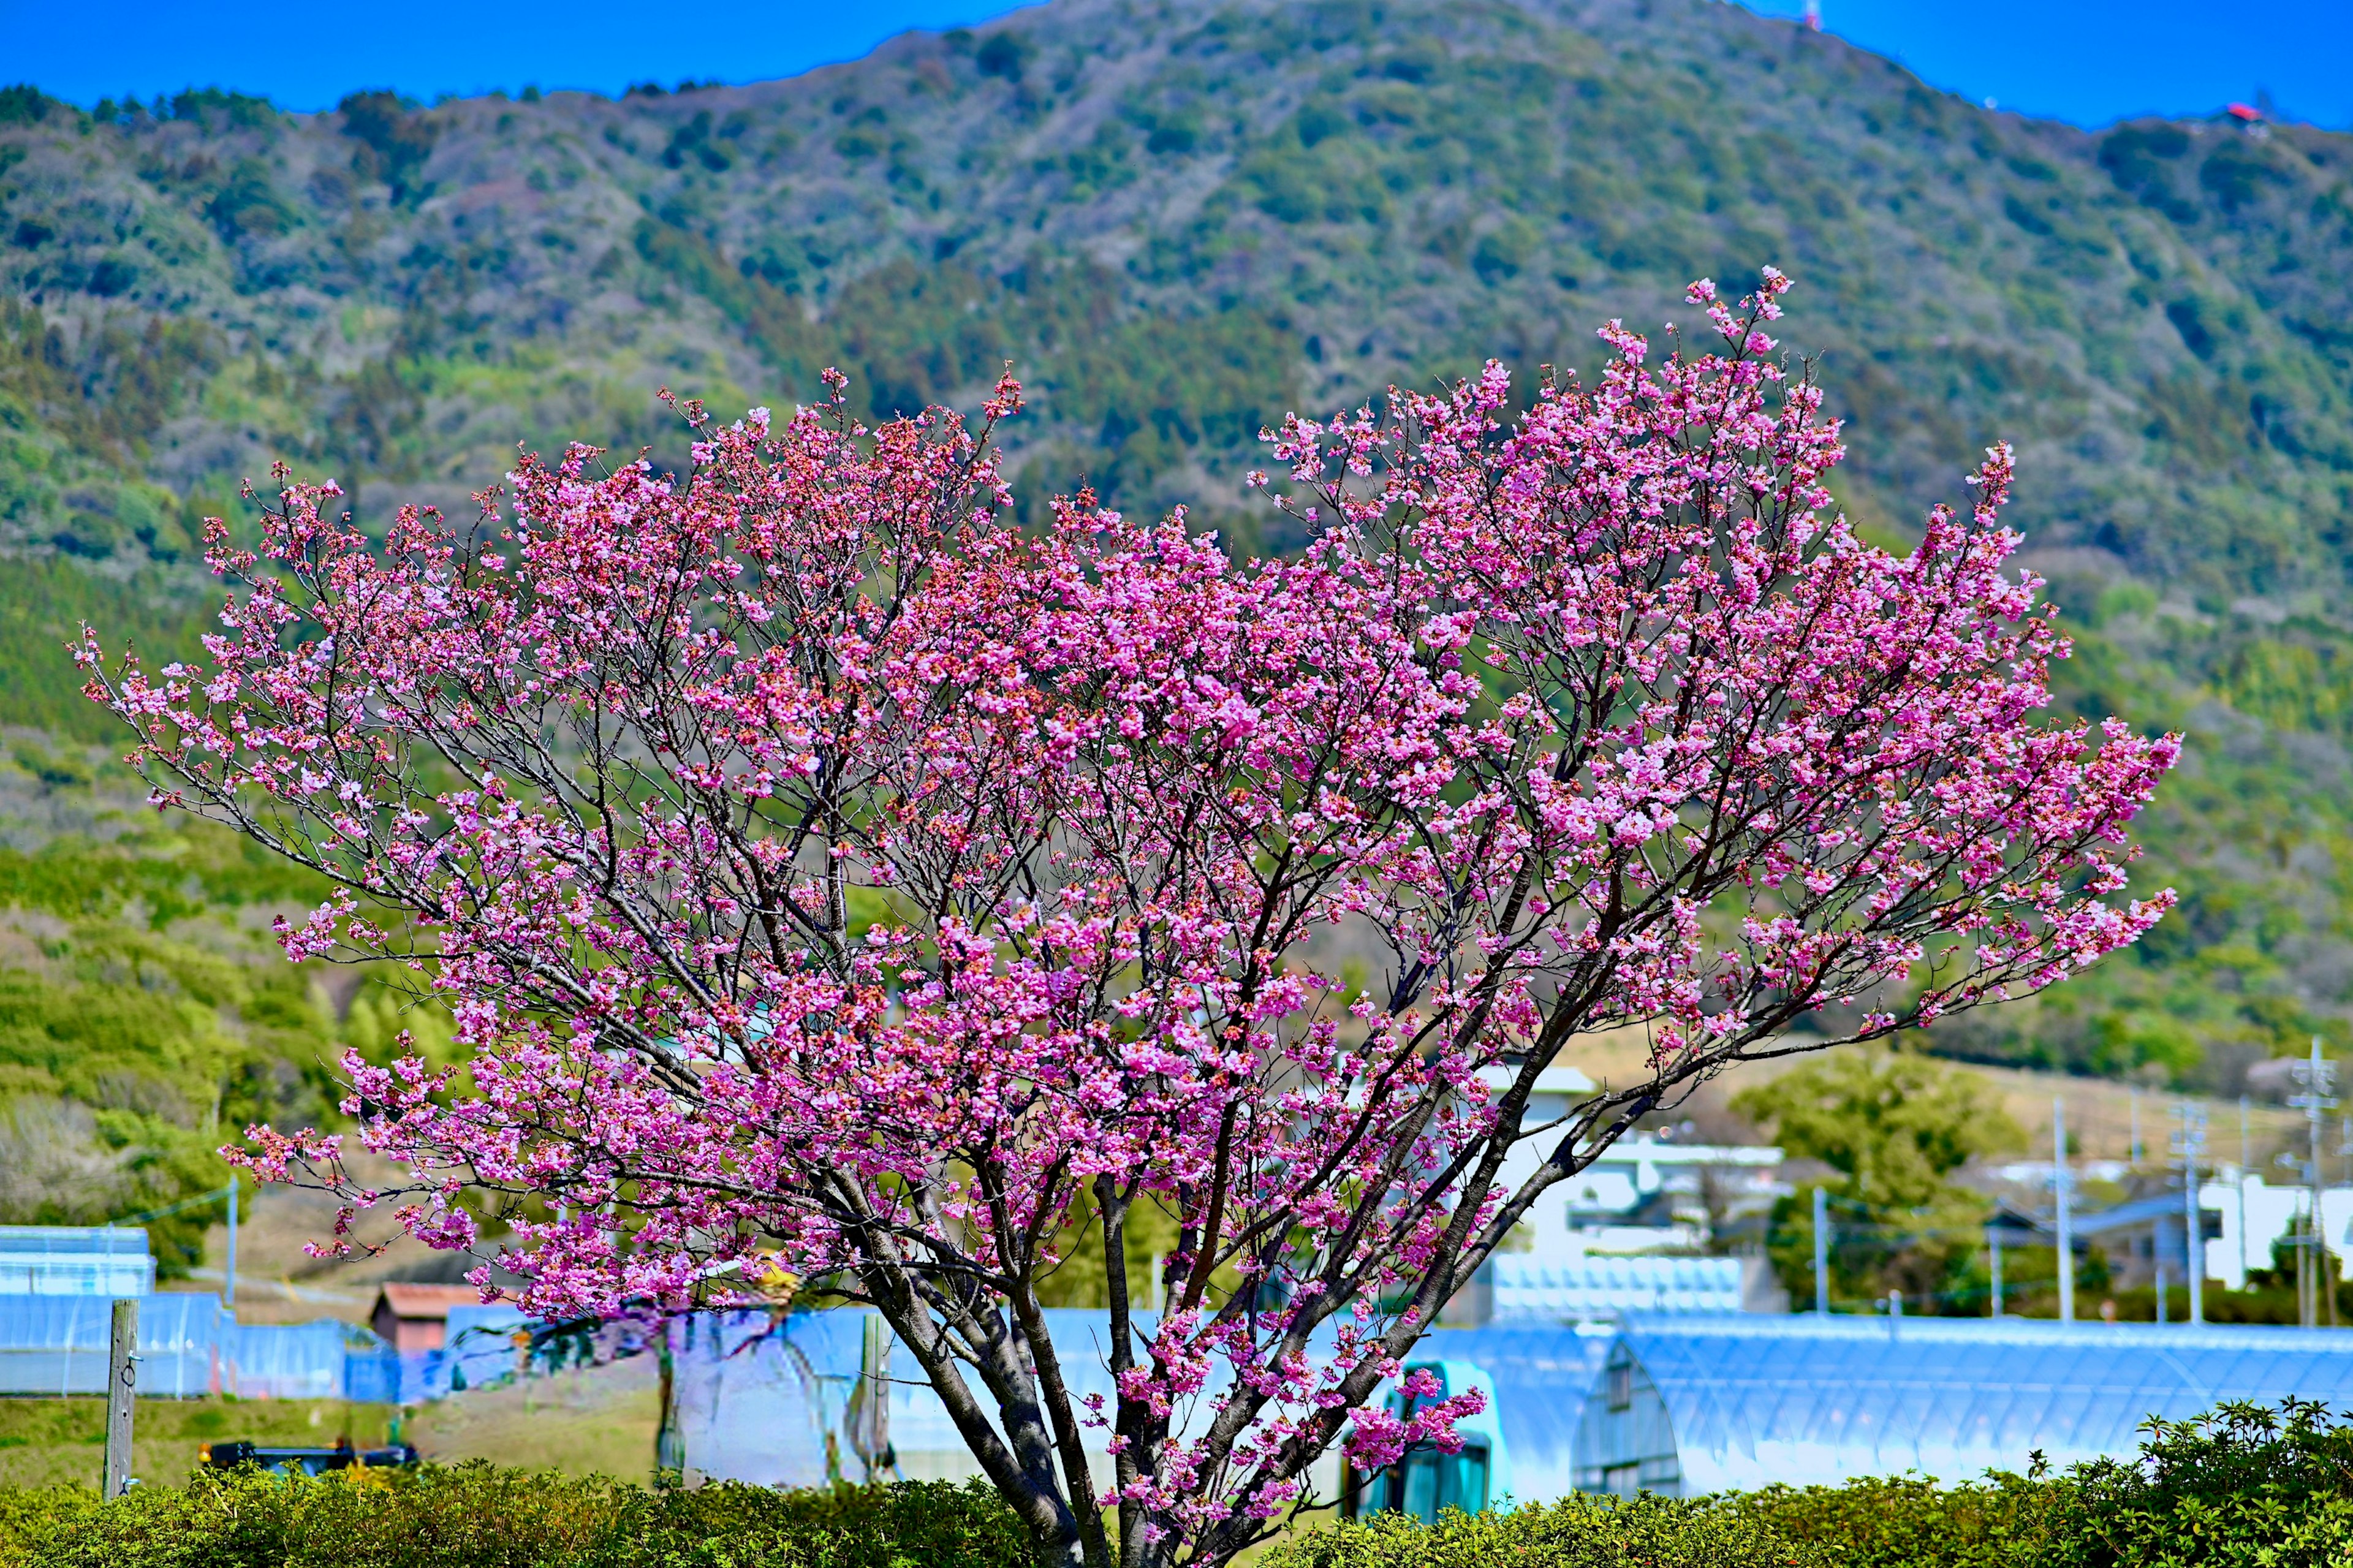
(413, 1318)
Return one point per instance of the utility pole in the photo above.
(228, 1289)
(2190, 1142)
(2317, 1076)
(1993, 1244)
(2066, 1229)
(2246, 1165)
(1822, 1252)
(121, 1389)
(669, 1443)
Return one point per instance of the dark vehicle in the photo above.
(310, 1461)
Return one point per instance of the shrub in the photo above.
(1906, 1522)
(2244, 1485)
(477, 1516)
(1575, 1532)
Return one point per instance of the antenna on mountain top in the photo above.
(1814, 15)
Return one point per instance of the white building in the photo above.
(1643, 1194)
(2255, 1214)
(1621, 1235)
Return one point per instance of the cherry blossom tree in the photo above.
(829, 876)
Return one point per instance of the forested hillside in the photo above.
(1179, 220)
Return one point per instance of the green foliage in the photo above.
(2254, 831)
(1180, 227)
(2243, 1487)
(394, 141)
(1894, 1126)
(21, 103)
(1905, 1521)
(474, 1516)
(1574, 1533)
(138, 1028)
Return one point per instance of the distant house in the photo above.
(2145, 1235)
(415, 1318)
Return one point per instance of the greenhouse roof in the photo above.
(1571, 1289)
(1800, 1399)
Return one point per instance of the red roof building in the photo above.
(413, 1318)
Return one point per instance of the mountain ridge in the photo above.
(1181, 220)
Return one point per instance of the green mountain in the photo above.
(1178, 220)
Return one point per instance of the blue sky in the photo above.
(2090, 61)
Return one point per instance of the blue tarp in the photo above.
(189, 1345)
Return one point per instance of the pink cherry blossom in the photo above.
(827, 874)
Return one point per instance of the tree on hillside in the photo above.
(1893, 1128)
(826, 874)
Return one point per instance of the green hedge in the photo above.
(475, 1516)
(2244, 1488)
(1575, 1532)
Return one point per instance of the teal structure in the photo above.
(1426, 1481)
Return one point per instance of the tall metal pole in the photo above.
(669, 1443)
(2193, 1142)
(228, 1289)
(2066, 1228)
(2245, 1166)
(2316, 1077)
(1822, 1252)
(1993, 1243)
(2312, 1173)
(121, 1388)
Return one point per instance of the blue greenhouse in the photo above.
(1677, 1404)
(1690, 1405)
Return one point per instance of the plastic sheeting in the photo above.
(484, 1346)
(1746, 1402)
(189, 1345)
(1597, 1285)
(75, 1261)
(792, 1401)
(1739, 1400)
(766, 1398)
(783, 1400)
(816, 1397)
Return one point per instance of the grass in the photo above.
(61, 1442)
